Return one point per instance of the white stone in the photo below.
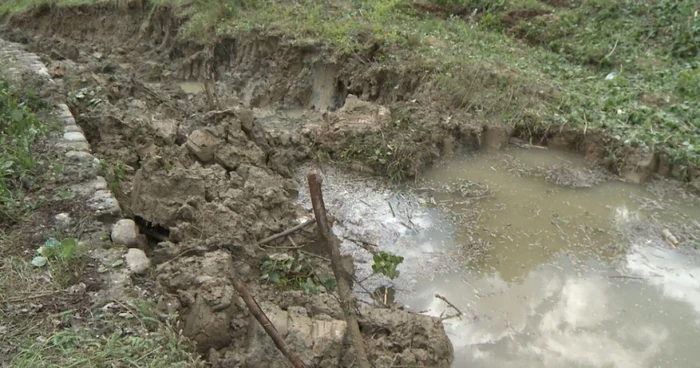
(63, 219)
(75, 146)
(63, 111)
(73, 128)
(104, 203)
(137, 262)
(74, 137)
(90, 187)
(125, 232)
(79, 156)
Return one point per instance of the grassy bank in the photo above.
(628, 68)
(46, 317)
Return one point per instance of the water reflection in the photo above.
(576, 277)
(544, 275)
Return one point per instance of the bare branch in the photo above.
(346, 297)
(265, 323)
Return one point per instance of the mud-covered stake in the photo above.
(346, 298)
(265, 322)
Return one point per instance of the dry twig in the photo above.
(286, 232)
(265, 323)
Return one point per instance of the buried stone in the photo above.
(137, 262)
(125, 233)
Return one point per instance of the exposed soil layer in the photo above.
(271, 72)
(208, 175)
(214, 170)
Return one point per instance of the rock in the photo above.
(211, 306)
(125, 232)
(63, 219)
(415, 340)
(495, 136)
(72, 128)
(74, 137)
(79, 156)
(235, 153)
(318, 342)
(203, 144)
(105, 205)
(88, 188)
(75, 145)
(639, 165)
(137, 262)
(63, 111)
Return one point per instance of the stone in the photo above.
(125, 232)
(203, 144)
(64, 111)
(75, 146)
(105, 205)
(639, 166)
(63, 219)
(72, 128)
(67, 120)
(74, 137)
(79, 156)
(496, 136)
(137, 262)
(99, 183)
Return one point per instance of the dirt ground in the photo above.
(206, 175)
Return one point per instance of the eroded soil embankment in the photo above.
(272, 72)
(207, 175)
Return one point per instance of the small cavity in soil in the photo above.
(549, 262)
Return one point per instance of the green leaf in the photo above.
(39, 261)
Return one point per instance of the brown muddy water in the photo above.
(550, 264)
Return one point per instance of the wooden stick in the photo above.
(450, 304)
(286, 232)
(265, 323)
(346, 298)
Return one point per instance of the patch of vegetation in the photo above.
(386, 264)
(297, 273)
(65, 260)
(133, 335)
(21, 162)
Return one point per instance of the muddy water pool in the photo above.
(544, 275)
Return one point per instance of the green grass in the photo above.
(42, 323)
(20, 161)
(534, 64)
(131, 336)
(542, 72)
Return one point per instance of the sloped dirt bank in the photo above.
(270, 71)
(206, 183)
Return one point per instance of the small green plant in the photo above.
(20, 163)
(113, 174)
(296, 273)
(65, 259)
(386, 264)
